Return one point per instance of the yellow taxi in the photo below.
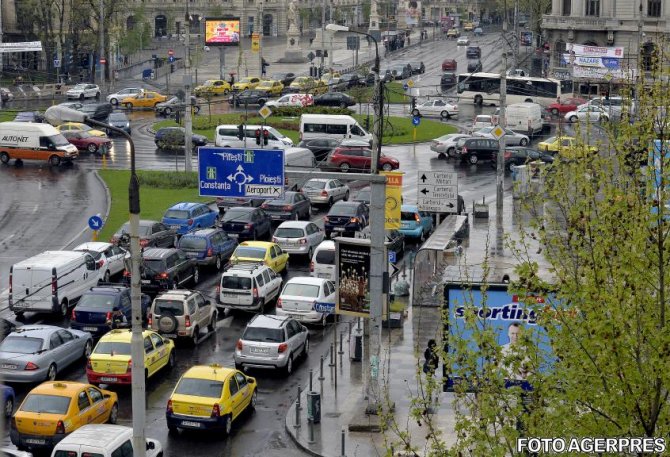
(328, 76)
(111, 362)
(453, 33)
(261, 252)
(66, 127)
(303, 83)
(249, 82)
(210, 397)
(271, 87)
(54, 409)
(468, 26)
(212, 87)
(320, 87)
(146, 99)
(563, 145)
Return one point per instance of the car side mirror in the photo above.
(251, 380)
(106, 396)
(150, 445)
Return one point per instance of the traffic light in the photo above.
(240, 132)
(266, 137)
(258, 136)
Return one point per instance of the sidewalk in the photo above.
(343, 405)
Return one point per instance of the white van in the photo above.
(524, 118)
(51, 281)
(292, 100)
(226, 137)
(323, 261)
(103, 440)
(34, 141)
(332, 126)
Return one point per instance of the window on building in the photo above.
(567, 7)
(654, 8)
(559, 50)
(649, 57)
(593, 7)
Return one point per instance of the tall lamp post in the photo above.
(57, 115)
(377, 234)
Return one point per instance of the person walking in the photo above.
(430, 364)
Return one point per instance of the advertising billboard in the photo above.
(222, 31)
(503, 313)
(393, 199)
(353, 272)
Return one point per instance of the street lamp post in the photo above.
(57, 115)
(377, 235)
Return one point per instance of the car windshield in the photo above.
(363, 195)
(250, 253)
(125, 228)
(49, 404)
(486, 130)
(59, 140)
(315, 185)
(343, 210)
(271, 335)
(117, 117)
(96, 301)
(302, 290)
(235, 282)
(163, 306)
(236, 215)
(80, 86)
(200, 387)
(176, 214)
(154, 265)
(408, 216)
(21, 345)
(286, 232)
(112, 348)
(550, 140)
(172, 101)
(192, 242)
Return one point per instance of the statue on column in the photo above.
(374, 15)
(292, 16)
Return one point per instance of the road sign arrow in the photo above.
(395, 269)
(239, 168)
(424, 191)
(230, 178)
(423, 178)
(451, 205)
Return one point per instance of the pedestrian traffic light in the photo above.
(266, 137)
(258, 136)
(240, 132)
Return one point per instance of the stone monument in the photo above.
(374, 21)
(293, 52)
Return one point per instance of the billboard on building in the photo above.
(353, 272)
(595, 51)
(222, 31)
(410, 12)
(393, 203)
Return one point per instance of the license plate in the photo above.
(229, 295)
(260, 350)
(176, 227)
(233, 235)
(190, 424)
(109, 379)
(90, 329)
(339, 229)
(8, 366)
(169, 335)
(35, 441)
(191, 255)
(146, 281)
(324, 275)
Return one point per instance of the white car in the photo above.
(325, 191)
(109, 257)
(437, 107)
(84, 90)
(300, 295)
(483, 120)
(297, 100)
(298, 237)
(463, 41)
(511, 137)
(123, 93)
(588, 112)
(446, 144)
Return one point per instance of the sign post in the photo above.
(95, 223)
(416, 120)
(438, 191)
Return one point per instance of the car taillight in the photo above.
(507, 154)
(73, 317)
(163, 275)
(287, 208)
(210, 252)
(89, 366)
(144, 243)
(54, 286)
(282, 348)
(130, 366)
(187, 321)
(303, 241)
(417, 218)
(324, 193)
(126, 273)
(216, 410)
(354, 220)
(218, 289)
(239, 345)
(190, 222)
(30, 366)
(169, 409)
(279, 303)
(265, 206)
(149, 320)
(255, 292)
(311, 267)
(60, 428)
(100, 263)
(248, 226)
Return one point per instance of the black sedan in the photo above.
(243, 222)
(176, 104)
(521, 155)
(320, 147)
(334, 99)
(294, 206)
(418, 68)
(353, 80)
(97, 111)
(174, 137)
(401, 71)
(249, 97)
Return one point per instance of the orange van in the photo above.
(33, 141)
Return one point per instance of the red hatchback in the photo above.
(359, 159)
(84, 141)
(565, 106)
(449, 65)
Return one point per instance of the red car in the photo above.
(359, 159)
(565, 106)
(84, 141)
(449, 65)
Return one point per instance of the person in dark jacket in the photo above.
(432, 359)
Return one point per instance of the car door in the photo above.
(150, 356)
(85, 414)
(56, 353)
(366, 159)
(185, 266)
(282, 257)
(272, 284)
(99, 409)
(228, 245)
(126, 305)
(70, 350)
(203, 310)
(114, 256)
(161, 351)
(264, 221)
(234, 396)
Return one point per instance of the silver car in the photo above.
(325, 191)
(272, 342)
(511, 137)
(446, 144)
(298, 237)
(34, 353)
(123, 93)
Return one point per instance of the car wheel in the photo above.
(573, 119)
(343, 105)
(479, 100)
(310, 253)
(346, 196)
(261, 102)
(167, 110)
(225, 91)
(113, 414)
(196, 276)
(4, 157)
(523, 142)
(305, 350)
(554, 111)
(252, 402)
(218, 262)
(91, 148)
(344, 167)
(129, 105)
(161, 144)
(288, 369)
(510, 166)
(422, 237)
(9, 407)
(228, 425)
(97, 95)
(171, 360)
(445, 114)
(387, 167)
(451, 152)
(473, 159)
(330, 201)
(212, 323)
(239, 366)
(309, 212)
(54, 161)
(114, 101)
(51, 372)
(194, 337)
(196, 109)
(88, 348)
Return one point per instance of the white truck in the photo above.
(524, 118)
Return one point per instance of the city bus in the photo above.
(484, 88)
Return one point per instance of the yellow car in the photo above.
(246, 83)
(328, 76)
(453, 33)
(320, 87)
(304, 83)
(261, 252)
(468, 26)
(146, 99)
(212, 87)
(271, 87)
(66, 127)
(562, 144)
(110, 362)
(209, 397)
(54, 409)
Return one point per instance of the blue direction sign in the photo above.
(392, 257)
(416, 120)
(405, 86)
(95, 222)
(250, 173)
(170, 59)
(324, 308)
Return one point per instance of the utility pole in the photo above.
(188, 124)
(260, 38)
(515, 38)
(102, 43)
(500, 162)
(323, 32)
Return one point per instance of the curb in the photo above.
(108, 195)
(291, 433)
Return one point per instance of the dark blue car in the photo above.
(187, 217)
(208, 246)
(346, 218)
(246, 223)
(94, 308)
(7, 400)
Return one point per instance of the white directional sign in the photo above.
(438, 191)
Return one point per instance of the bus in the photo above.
(484, 88)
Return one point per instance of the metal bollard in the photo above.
(297, 417)
(321, 376)
(341, 338)
(298, 406)
(310, 438)
(332, 355)
(311, 373)
(343, 452)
